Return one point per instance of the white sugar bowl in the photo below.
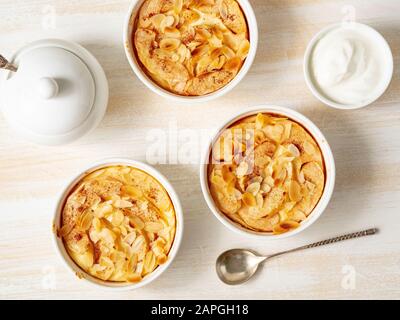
(58, 93)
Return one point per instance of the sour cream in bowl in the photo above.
(348, 65)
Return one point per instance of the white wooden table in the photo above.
(366, 145)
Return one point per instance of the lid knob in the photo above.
(47, 88)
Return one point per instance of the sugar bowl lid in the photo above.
(57, 93)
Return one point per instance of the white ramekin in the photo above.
(116, 286)
(253, 37)
(329, 166)
(380, 41)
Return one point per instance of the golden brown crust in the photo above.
(266, 173)
(118, 224)
(191, 47)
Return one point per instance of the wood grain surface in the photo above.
(365, 143)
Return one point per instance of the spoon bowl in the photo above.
(236, 266)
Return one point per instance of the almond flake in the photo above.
(122, 204)
(295, 191)
(253, 188)
(248, 199)
(293, 150)
(153, 227)
(308, 148)
(242, 169)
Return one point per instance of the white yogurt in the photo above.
(350, 65)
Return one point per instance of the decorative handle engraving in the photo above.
(329, 241)
(342, 238)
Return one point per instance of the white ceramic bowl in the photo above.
(329, 166)
(380, 41)
(71, 265)
(48, 58)
(253, 35)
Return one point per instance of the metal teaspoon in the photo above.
(236, 266)
(4, 64)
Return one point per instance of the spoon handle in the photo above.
(4, 64)
(329, 241)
